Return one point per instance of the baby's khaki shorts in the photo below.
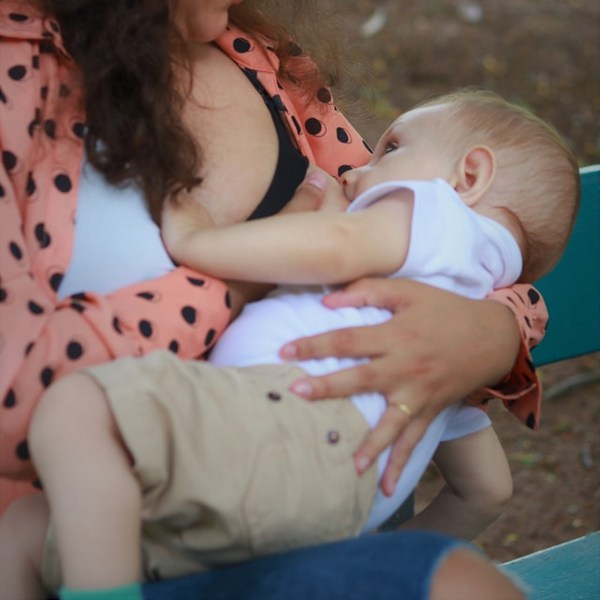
(231, 464)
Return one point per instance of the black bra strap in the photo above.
(291, 164)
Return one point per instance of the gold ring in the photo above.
(403, 408)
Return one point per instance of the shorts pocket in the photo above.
(301, 493)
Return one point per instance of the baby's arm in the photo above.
(302, 247)
(478, 486)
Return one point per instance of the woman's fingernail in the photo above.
(301, 388)
(362, 464)
(317, 179)
(331, 298)
(288, 352)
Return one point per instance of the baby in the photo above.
(466, 192)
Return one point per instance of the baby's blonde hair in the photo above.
(537, 177)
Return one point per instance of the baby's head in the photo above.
(534, 182)
(503, 161)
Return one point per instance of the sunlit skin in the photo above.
(201, 20)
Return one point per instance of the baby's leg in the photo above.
(23, 530)
(93, 496)
(478, 486)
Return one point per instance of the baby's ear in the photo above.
(474, 174)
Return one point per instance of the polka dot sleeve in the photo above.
(41, 338)
(521, 390)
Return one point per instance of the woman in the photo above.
(42, 144)
(142, 72)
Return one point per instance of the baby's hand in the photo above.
(333, 198)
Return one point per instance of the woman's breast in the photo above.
(237, 138)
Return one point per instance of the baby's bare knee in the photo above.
(497, 495)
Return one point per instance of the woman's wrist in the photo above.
(502, 335)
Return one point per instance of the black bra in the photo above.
(291, 164)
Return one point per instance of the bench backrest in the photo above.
(572, 289)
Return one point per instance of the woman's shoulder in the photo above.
(247, 50)
(322, 133)
(33, 61)
(20, 20)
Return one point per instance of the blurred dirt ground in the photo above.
(545, 55)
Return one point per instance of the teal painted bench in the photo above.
(572, 289)
(570, 571)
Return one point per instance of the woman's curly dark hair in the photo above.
(133, 103)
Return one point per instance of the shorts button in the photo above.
(333, 436)
(275, 396)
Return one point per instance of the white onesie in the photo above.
(451, 247)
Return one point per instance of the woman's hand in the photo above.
(436, 349)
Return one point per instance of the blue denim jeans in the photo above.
(398, 565)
